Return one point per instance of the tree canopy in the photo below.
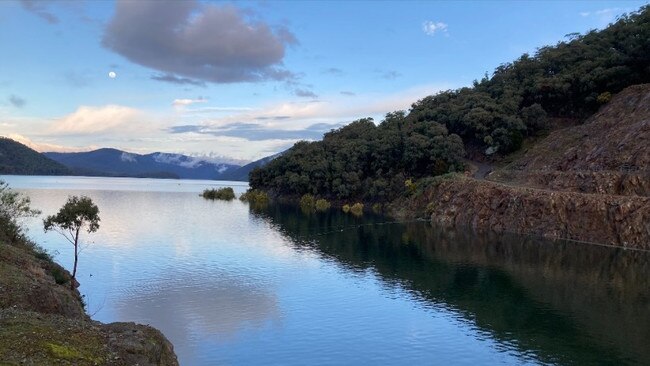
(371, 162)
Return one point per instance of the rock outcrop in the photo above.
(587, 183)
(594, 218)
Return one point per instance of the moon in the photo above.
(112, 74)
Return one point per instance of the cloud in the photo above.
(606, 16)
(39, 8)
(304, 93)
(93, 120)
(186, 102)
(348, 93)
(169, 78)
(431, 28)
(207, 110)
(48, 147)
(258, 132)
(303, 120)
(209, 42)
(17, 101)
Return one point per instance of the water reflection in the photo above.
(563, 303)
(213, 307)
(278, 287)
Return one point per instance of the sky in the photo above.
(244, 80)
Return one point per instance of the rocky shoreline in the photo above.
(43, 322)
(588, 183)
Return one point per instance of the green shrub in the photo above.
(322, 205)
(225, 193)
(346, 208)
(60, 277)
(255, 196)
(307, 201)
(357, 209)
(604, 97)
(376, 208)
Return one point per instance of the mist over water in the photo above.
(228, 284)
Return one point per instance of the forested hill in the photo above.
(571, 79)
(16, 158)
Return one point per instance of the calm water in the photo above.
(231, 285)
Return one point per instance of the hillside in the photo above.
(609, 153)
(490, 120)
(113, 162)
(589, 183)
(16, 158)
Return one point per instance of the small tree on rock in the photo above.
(77, 214)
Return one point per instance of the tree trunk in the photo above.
(76, 257)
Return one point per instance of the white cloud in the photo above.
(333, 109)
(606, 16)
(430, 27)
(186, 102)
(88, 120)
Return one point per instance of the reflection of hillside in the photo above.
(562, 302)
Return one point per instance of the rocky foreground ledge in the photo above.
(42, 321)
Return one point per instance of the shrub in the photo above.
(376, 208)
(410, 186)
(225, 193)
(60, 277)
(357, 209)
(13, 206)
(346, 208)
(604, 97)
(255, 196)
(322, 205)
(307, 201)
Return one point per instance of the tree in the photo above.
(13, 206)
(77, 213)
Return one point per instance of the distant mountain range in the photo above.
(113, 162)
(16, 158)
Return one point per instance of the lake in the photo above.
(233, 285)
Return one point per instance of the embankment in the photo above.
(595, 218)
(43, 322)
(588, 183)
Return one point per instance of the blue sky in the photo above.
(247, 79)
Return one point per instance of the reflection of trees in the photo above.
(564, 302)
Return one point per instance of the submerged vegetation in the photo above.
(225, 194)
(310, 203)
(371, 162)
(255, 197)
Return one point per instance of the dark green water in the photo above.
(231, 285)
